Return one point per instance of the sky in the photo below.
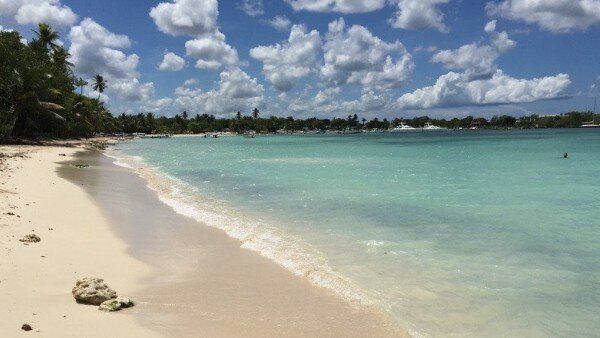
(329, 58)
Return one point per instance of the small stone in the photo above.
(33, 238)
(26, 327)
(125, 301)
(111, 305)
(116, 304)
(93, 291)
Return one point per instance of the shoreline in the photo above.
(195, 278)
(222, 288)
(36, 279)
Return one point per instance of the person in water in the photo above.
(565, 155)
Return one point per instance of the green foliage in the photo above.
(36, 90)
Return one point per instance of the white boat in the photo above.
(403, 128)
(431, 127)
(590, 125)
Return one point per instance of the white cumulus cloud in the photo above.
(284, 64)
(419, 14)
(186, 17)
(354, 55)
(557, 16)
(253, 7)
(172, 62)
(454, 90)
(475, 59)
(197, 18)
(27, 12)
(96, 50)
(339, 6)
(212, 51)
(281, 23)
(481, 82)
(236, 91)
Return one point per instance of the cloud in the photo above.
(197, 18)
(454, 90)
(212, 51)
(281, 23)
(172, 62)
(27, 12)
(556, 16)
(419, 14)
(186, 17)
(478, 61)
(338, 6)
(481, 82)
(131, 89)
(236, 91)
(95, 50)
(354, 55)
(158, 105)
(284, 64)
(252, 7)
(327, 103)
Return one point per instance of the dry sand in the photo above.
(76, 241)
(188, 279)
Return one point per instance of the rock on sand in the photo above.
(93, 291)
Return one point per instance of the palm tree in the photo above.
(99, 84)
(46, 36)
(61, 56)
(81, 83)
(255, 113)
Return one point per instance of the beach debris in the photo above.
(62, 154)
(116, 304)
(26, 327)
(80, 166)
(32, 238)
(92, 291)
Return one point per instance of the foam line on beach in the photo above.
(290, 252)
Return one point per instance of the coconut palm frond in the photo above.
(51, 106)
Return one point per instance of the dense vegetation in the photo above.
(41, 97)
(183, 123)
(37, 91)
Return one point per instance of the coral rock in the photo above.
(93, 291)
(116, 304)
(30, 239)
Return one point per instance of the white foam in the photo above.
(288, 251)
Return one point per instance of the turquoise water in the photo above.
(487, 233)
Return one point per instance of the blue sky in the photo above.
(386, 58)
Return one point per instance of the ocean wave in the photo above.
(290, 252)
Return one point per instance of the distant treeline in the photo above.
(41, 97)
(184, 123)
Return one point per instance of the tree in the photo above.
(61, 56)
(238, 116)
(99, 84)
(46, 36)
(255, 113)
(81, 83)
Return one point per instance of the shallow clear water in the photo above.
(456, 233)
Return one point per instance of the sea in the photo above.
(457, 233)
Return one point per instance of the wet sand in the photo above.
(203, 283)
